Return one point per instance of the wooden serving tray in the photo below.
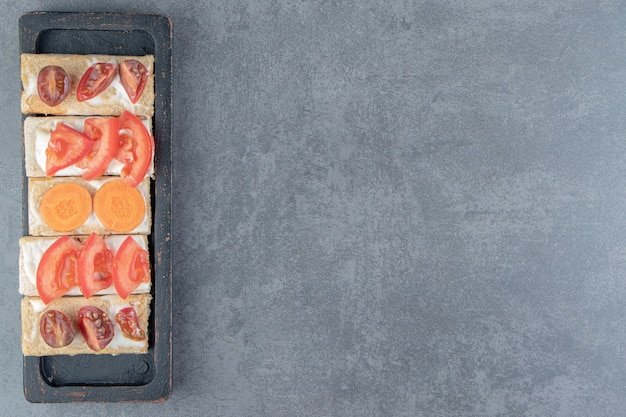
(106, 378)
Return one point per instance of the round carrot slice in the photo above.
(65, 206)
(119, 207)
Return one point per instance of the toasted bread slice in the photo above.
(37, 187)
(33, 308)
(113, 101)
(32, 249)
(37, 135)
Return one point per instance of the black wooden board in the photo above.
(107, 378)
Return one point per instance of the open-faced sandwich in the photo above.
(89, 147)
(87, 84)
(53, 267)
(74, 325)
(71, 205)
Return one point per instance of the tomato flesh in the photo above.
(95, 266)
(105, 133)
(66, 147)
(56, 329)
(56, 272)
(129, 323)
(53, 85)
(133, 76)
(135, 149)
(96, 327)
(130, 267)
(95, 80)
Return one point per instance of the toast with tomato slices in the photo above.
(37, 136)
(33, 249)
(133, 203)
(64, 84)
(103, 324)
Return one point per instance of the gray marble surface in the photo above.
(399, 209)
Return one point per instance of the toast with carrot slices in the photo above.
(82, 207)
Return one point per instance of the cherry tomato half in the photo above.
(56, 272)
(96, 327)
(95, 80)
(95, 266)
(56, 329)
(129, 323)
(53, 85)
(133, 76)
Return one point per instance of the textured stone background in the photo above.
(410, 209)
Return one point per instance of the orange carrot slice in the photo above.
(119, 207)
(65, 206)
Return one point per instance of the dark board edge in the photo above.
(159, 389)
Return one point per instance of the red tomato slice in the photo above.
(95, 266)
(56, 272)
(105, 132)
(53, 85)
(56, 329)
(133, 76)
(96, 327)
(135, 149)
(95, 80)
(130, 267)
(129, 323)
(66, 147)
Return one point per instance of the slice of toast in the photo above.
(38, 186)
(37, 135)
(33, 308)
(32, 249)
(113, 101)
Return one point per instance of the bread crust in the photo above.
(38, 186)
(33, 308)
(34, 126)
(35, 246)
(112, 101)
